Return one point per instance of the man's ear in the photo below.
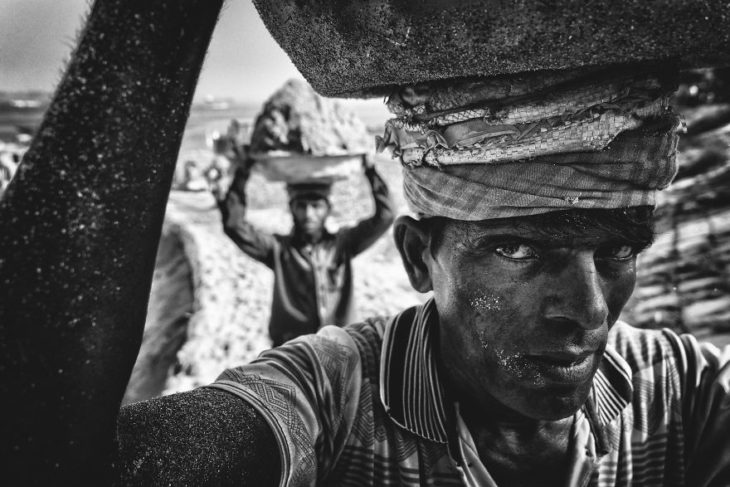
(412, 240)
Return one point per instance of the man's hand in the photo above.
(240, 178)
(233, 205)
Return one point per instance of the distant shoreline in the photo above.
(205, 118)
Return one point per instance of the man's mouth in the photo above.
(564, 367)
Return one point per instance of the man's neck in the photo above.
(515, 449)
(308, 238)
(519, 451)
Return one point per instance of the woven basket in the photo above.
(298, 168)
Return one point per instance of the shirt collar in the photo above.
(611, 392)
(410, 388)
(413, 395)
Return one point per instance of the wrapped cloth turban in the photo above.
(519, 146)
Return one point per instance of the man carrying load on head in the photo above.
(532, 195)
(530, 212)
(312, 267)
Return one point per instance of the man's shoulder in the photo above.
(363, 339)
(334, 353)
(644, 348)
(623, 332)
(370, 330)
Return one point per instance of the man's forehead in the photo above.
(548, 223)
(562, 230)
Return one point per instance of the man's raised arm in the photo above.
(366, 232)
(79, 228)
(256, 243)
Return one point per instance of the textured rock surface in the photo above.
(207, 310)
(168, 312)
(296, 119)
(360, 48)
(10, 156)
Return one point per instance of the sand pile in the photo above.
(10, 157)
(206, 309)
(297, 120)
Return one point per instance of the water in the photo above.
(15, 120)
(204, 122)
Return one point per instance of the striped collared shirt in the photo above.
(364, 405)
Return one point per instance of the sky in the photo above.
(37, 36)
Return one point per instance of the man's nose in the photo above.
(309, 211)
(578, 294)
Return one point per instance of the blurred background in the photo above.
(209, 306)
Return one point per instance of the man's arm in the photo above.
(201, 437)
(80, 227)
(369, 230)
(254, 242)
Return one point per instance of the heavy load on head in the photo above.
(365, 48)
(513, 108)
(510, 109)
(300, 137)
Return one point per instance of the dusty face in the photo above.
(524, 315)
(309, 215)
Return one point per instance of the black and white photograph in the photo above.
(479, 243)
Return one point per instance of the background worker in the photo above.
(313, 282)
(312, 267)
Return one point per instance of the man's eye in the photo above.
(617, 252)
(516, 251)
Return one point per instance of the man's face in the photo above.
(524, 313)
(309, 214)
